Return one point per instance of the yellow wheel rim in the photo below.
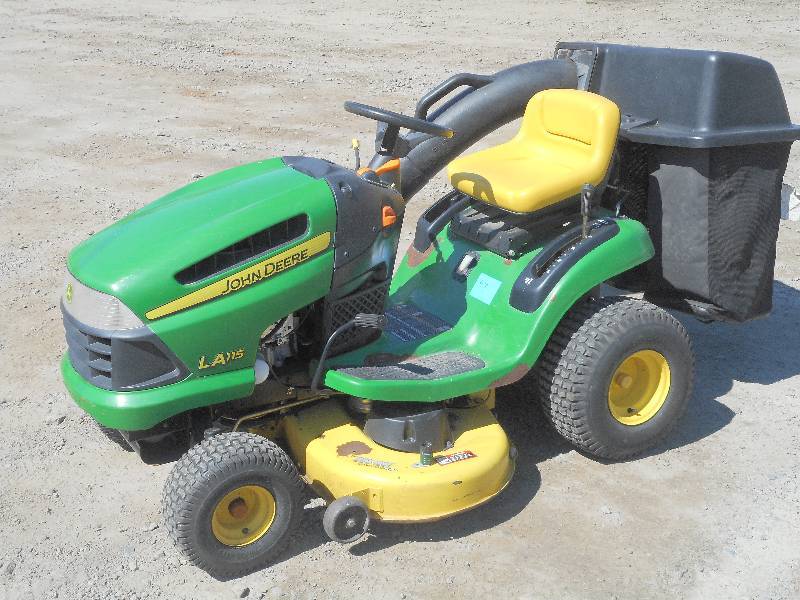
(243, 516)
(639, 387)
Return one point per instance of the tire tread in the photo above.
(580, 338)
(207, 462)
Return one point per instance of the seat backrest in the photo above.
(570, 125)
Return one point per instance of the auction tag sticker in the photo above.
(449, 459)
(485, 288)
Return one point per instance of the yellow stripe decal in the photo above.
(246, 277)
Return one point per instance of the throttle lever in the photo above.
(466, 265)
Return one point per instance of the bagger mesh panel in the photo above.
(631, 192)
(713, 216)
(744, 213)
(250, 247)
(370, 300)
(627, 195)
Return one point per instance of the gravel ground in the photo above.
(105, 109)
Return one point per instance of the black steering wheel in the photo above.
(397, 120)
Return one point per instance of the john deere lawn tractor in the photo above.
(258, 320)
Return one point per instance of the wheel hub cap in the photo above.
(639, 387)
(243, 515)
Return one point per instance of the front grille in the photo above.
(90, 355)
(120, 360)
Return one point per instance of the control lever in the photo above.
(586, 200)
(355, 145)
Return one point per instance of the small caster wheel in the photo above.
(346, 519)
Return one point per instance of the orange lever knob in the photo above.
(388, 167)
(389, 216)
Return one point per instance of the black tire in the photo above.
(115, 436)
(346, 519)
(575, 370)
(205, 475)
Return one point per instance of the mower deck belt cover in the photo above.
(340, 460)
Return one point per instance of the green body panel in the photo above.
(508, 340)
(136, 259)
(143, 409)
(236, 321)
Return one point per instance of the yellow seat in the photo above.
(565, 141)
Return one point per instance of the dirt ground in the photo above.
(103, 109)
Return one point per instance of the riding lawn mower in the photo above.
(257, 319)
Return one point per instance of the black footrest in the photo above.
(410, 368)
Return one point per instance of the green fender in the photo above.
(631, 247)
(482, 321)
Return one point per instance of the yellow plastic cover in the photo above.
(566, 140)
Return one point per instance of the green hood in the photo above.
(136, 259)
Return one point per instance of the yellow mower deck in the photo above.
(339, 460)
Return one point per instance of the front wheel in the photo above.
(231, 502)
(616, 376)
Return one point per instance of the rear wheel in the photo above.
(231, 502)
(616, 376)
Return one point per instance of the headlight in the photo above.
(96, 309)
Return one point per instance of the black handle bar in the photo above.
(444, 88)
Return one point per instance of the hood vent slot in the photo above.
(242, 251)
